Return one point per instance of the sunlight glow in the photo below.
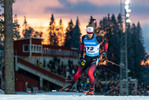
(145, 63)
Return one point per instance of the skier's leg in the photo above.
(77, 75)
(84, 65)
(82, 68)
(90, 73)
(91, 76)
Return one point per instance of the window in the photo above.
(25, 48)
(32, 48)
(40, 49)
(36, 48)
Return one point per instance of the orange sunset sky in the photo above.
(38, 13)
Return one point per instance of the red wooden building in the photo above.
(33, 47)
(27, 51)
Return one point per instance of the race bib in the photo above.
(92, 50)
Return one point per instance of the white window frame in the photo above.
(36, 48)
(24, 47)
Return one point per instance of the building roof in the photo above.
(29, 38)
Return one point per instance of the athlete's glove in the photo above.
(104, 56)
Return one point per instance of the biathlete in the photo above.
(91, 42)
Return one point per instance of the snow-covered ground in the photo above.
(70, 97)
(66, 96)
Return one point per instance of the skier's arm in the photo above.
(105, 46)
(105, 50)
(82, 47)
(103, 42)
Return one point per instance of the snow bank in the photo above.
(70, 97)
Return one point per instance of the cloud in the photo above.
(34, 8)
(84, 8)
(140, 2)
(43, 8)
(95, 2)
(139, 13)
(108, 2)
(139, 9)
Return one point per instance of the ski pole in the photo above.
(113, 63)
(116, 64)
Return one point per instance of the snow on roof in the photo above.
(29, 38)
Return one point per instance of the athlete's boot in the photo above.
(66, 89)
(91, 90)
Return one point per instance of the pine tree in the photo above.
(116, 39)
(68, 34)
(27, 30)
(16, 27)
(120, 22)
(91, 20)
(96, 29)
(75, 40)
(139, 49)
(109, 27)
(136, 50)
(131, 52)
(113, 29)
(53, 39)
(25, 27)
(60, 33)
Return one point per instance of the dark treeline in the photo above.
(112, 29)
(71, 37)
(28, 31)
